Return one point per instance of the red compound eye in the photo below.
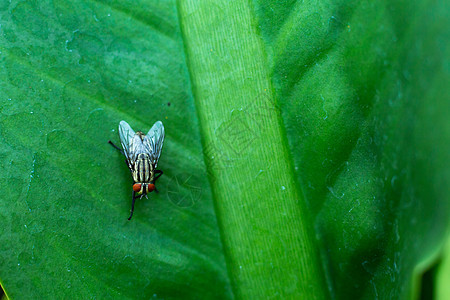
(151, 187)
(136, 187)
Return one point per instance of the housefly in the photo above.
(142, 154)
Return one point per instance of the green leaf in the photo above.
(442, 288)
(369, 136)
(70, 72)
(306, 151)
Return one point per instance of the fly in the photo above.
(142, 154)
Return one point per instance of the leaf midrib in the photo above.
(283, 147)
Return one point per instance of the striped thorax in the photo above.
(142, 171)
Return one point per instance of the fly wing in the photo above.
(154, 140)
(128, 141)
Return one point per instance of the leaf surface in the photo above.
(306, 150)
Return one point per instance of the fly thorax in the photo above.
(143, 168)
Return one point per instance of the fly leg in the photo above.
(112, 144)
(132, 206)
(159, 173)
